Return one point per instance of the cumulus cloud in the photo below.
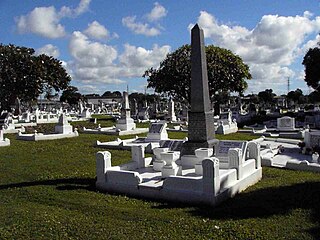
(94, 63)
(45, 21)
(137, 27)
(269, 48)
(135, 60)
(157, 12)
(49, 50)
(97, 31)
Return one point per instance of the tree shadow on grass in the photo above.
(61, 184)
(264, 203)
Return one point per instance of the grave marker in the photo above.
(201, 121)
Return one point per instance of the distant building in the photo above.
(108, 101)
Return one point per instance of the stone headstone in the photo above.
(222, 151)
(224, 146)
(286, 123)
(17, 110)
(312, 139)
(201, 121)
(157, 131)
(63, 126)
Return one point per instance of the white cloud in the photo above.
(138, 27)
(97, 31)
(81, 8)
(270, 48)
(95, 63)
(135, 60)
(92, 61)
(157, 12)
(49, 50)
(45, 21)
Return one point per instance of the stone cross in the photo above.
(201, 121)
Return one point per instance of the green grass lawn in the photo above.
(47, 192)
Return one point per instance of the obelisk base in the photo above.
(189, 147)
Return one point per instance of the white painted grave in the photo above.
(3, 141)
(226, 125)
(62, 130)
(174, 182)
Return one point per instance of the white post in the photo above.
(211, 178)
(103, 161)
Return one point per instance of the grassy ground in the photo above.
(47, 192)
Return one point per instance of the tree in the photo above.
(112, 94)
(314, 97)
(296, 96)
(26, 76)
(71, 95)
(266, 96)
(226, 73)
(107, 94)
(311, 62)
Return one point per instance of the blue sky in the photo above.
(106, 45)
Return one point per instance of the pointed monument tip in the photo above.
(196, 26)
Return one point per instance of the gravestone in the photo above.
(222, 150)
(157, 131)
(201, 121)
(63, 126)
(286, 124)
(312, 139)
(17, 110)
(134, 111)
(171, 113)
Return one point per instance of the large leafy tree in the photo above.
(267, 97)
(296, 96)
(226, 73)
(311, 62)
(71, 95)
(26, 75)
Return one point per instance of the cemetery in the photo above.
(125, 125)
(192, 163)
(200, 177)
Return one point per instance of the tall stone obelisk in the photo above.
(201, 121)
